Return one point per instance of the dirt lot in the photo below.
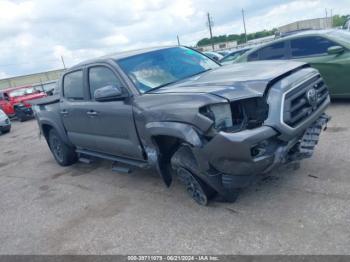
(88, 209)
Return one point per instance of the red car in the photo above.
(14, 101)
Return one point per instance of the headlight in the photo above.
(243, 114)
(220, 114)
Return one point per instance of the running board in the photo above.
(85, 160)
(131, 162)
(121, 169)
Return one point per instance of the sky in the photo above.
(34, 34)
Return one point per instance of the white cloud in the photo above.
(3, 75)
(35, 34)
(114, 40)
(12, 11)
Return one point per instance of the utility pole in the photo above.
(178, 40)
(331, 17)
(245, 30)
(210, 22)
(64, 65)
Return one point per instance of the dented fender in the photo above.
(182, 131)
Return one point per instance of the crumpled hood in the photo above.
(235, 81)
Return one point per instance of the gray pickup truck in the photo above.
(177, 111)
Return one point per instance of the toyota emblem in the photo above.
(311, 96)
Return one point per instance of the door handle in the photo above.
(92, 113)
(64, 112)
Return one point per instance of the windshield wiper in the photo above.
(173, 82)
(206, 70)
(155, 88)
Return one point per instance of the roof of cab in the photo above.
(121, 55)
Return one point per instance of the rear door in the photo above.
(313, 50)
(113, 121)
(73, 108)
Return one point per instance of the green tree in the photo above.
(235, 37)
(340, 20)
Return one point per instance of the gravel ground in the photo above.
(88, 209)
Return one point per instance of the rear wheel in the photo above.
(64, 154)
(6, 131)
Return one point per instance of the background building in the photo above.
(318, 23)
(31, 79)
(218, 46)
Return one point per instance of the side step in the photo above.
(131, 162)
(121, 169)
(85, 160)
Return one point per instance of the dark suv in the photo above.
(179, 112)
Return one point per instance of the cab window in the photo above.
(73, 87)
(100, 76)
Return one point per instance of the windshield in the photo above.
(158, 68)
(23, 92)
(2, 114)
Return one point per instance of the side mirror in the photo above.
(109, 93)
(335, 50)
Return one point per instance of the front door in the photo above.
(113, 122)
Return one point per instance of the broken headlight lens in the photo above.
(220, 114)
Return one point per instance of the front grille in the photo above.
(303, 100)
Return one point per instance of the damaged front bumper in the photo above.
(230, 161)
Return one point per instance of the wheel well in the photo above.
(46, 130)
(167, 145)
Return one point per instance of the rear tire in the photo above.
(64, 154)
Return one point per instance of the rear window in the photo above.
(73, 85)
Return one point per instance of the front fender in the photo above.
(182, 131)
